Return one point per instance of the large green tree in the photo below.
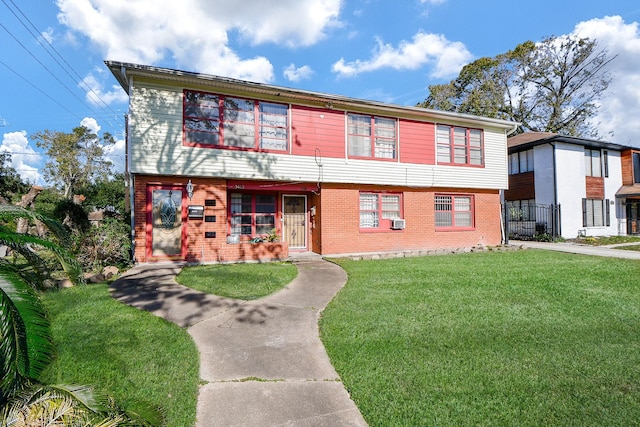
(76, 158)
(551, 86)
(10, 182)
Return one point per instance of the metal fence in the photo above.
(531, 221)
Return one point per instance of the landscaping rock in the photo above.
(110, 271)
(65, 283)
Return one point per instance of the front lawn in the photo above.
(133, 356)
(240, 281)
(523, 338)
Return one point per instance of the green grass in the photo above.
(629, 247)
(523, 338)
(238, 281)
(129, 354)
(607, 240)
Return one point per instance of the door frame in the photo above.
(306, 221)
(149, 225)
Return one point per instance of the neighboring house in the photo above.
(595, 183)
(216, 164)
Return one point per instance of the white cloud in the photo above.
(91, 124)
(195, 33)
(446, 56)
(620, 106)
(24, 159)
(434, 2)
(295, 74)
(47, 35)
(97, 96)
(116, 154)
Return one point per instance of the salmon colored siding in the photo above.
(417, 142)
(314, 128)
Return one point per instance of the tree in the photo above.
(10, 182)
(76, 158)
(25, 340)
(551, 86)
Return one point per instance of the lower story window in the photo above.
(595, 213)
(252, 214)
(453, 211)
(378, 209)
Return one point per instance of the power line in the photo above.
(68, 69)
(52, 73)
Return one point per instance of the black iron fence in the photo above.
(531, 221)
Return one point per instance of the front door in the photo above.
(294, 229)
(165, 223)
(633, 216)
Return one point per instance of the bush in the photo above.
(105, 244)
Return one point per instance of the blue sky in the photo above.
(52, 74)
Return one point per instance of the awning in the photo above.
(629, 191)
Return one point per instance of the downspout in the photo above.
(503, 220)
(132, 206)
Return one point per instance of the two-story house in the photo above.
(595, 183)
(219, 167)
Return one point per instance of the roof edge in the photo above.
(122, 71)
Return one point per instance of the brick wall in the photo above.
(340, 222)
(334, 229)
(200, 248)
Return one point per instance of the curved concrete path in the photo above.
(574, 248)
(262, 362)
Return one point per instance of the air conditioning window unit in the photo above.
(397, 224)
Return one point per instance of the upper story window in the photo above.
(459, 146)
(234, 122)
(592, 162)
(521, 162)
(370, 136)
(636, 167)
(378, 209)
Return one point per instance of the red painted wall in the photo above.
(317, 128)
(417, 142)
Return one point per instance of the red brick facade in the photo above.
(332, 218)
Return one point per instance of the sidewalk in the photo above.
(575, 248)
(262, 361)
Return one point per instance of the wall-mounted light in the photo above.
(189, 189)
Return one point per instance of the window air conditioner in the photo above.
(397, 224)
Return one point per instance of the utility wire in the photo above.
(68, 69)
(40, 90)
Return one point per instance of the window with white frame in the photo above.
(377, 210)
(592, 162)
(214, 120)
(370, 136)
(459, 146)
(454, 211)
(595, 213)
(521, 162)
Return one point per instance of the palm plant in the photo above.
(26, 346)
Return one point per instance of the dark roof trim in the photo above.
(123, 71)
(591, 143)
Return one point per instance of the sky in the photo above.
(52, 53)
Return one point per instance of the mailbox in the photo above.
(195, 212)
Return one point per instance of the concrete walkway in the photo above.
(574, 248)
(262, 362)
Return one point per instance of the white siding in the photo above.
(156, 148)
